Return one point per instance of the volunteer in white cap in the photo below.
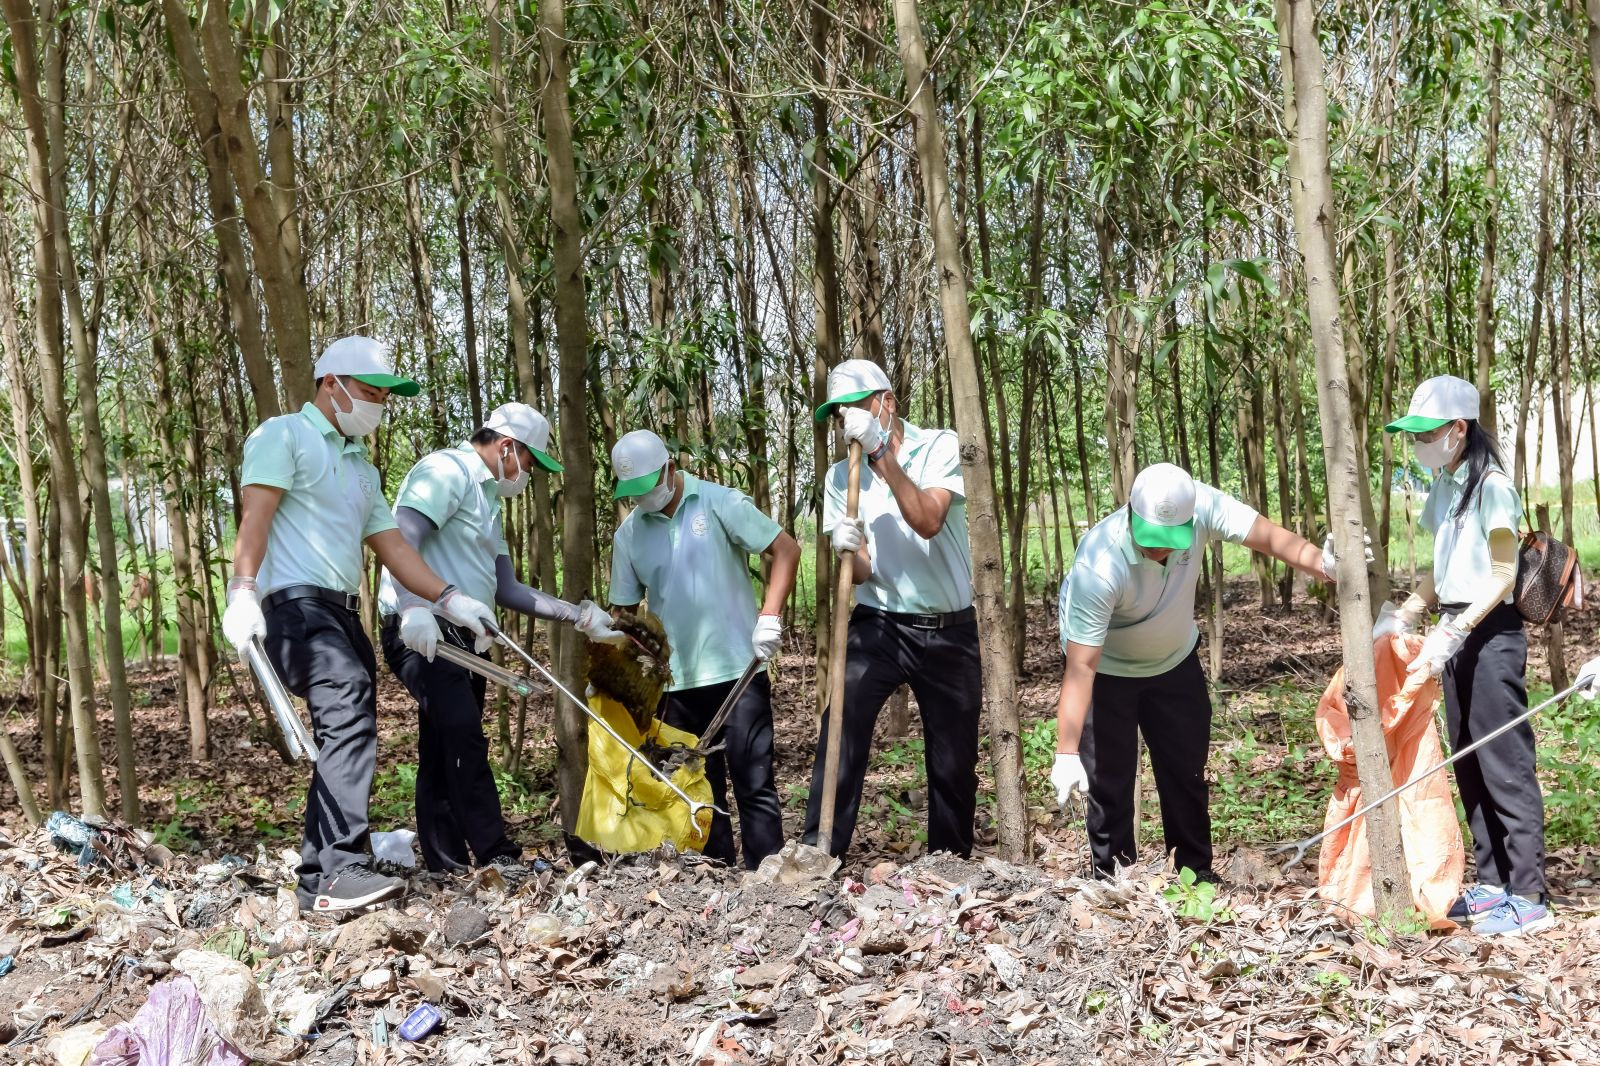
(913, 622)
(1126, 613)
(686, 545)
(449, 509)
(1479, 652)
(309, 500)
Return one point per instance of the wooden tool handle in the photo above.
(842, 596)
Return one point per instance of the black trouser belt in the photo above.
(350, 601)
(925, 621)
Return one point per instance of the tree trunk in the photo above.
(999, 680)
(1311, 188)
(49, 221)
(469, 317)
(1541, 272)
(1484, 332)
(572, 340)
(422, 291)
(1561, 350)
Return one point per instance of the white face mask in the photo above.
(510, 486)
(363, 417)
(660, 496)
(1440, 453)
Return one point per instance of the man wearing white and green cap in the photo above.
(913, 622)
(686, 546)
(1133, 664)
(449, 509)
(309, 500)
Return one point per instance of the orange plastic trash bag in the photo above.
(1428, 826)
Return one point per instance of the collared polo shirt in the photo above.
(910, 573)
(455, 490)
(1138, 611)
(695, 568)
(1461, 545)
(332, 501)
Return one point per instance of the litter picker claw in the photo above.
(295, 734)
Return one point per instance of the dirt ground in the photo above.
(899, 957)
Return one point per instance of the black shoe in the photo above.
(306, 898)
(357, 885)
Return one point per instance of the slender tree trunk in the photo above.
(825, 287)
(1281, 441)
(999, 680)
(1541, 274)
(422, 291)
(469, 316)
(1033, 359)
(1561, 379)
(1311, 187)
(1484, 332)
(572, 340)
(1592, 17)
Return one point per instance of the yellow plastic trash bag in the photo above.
(628, 808)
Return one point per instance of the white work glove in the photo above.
(849, 534)
(859, 424)
(1442, 644)
(419, 631)
(768, 636)
(1392, 622)
(1330, 562)
(1068, 776)
(243, 621)
(597, 624)
(464, 611)
(1589, 679)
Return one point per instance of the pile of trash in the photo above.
(114, 950)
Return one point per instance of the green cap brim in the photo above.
(544, 460)
(1149, 535)
(1415, 424)
(393, 382)
(827, 409)
(637, 486)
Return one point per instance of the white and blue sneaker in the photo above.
(1514, 917)
(1476, 903)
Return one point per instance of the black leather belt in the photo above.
(350, 601)
(1454, 608)
(925, 621)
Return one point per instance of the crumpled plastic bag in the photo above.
(1429, 831)
(235, 1005)
(395, 846)
(171, 1027)
(626, 808)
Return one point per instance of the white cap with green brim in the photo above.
(367, 361)
(852, 380)
(1161, 507)
(1437, 401)
(637, 460)
(526, 426)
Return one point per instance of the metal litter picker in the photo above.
(1300, 847)
(695, 806)
(295, 733)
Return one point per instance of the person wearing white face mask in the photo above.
(913, 622)
(1479, 651)
(449, 509)
(309, 500)
(686, 546)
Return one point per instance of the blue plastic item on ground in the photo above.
(420, 1022)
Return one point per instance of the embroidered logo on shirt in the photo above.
(698, 526)
(364, 483)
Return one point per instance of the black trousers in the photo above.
(458, 806)
(945, 674)
(747, 760)
(323, 655)
(1484, 687)
(1173, 711)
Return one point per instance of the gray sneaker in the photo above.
(357, 885)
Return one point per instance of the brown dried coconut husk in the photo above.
(633, 676)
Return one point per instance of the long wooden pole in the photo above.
(836, 654)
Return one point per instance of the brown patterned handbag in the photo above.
(1548, 578)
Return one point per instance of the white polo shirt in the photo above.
(455, 490)
(1461, 545)
(1139, 612)
(332, 501)
(695, 567)
(911, 574)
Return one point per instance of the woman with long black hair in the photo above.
(1479, 652)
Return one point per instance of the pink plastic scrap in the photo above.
(171, 1027)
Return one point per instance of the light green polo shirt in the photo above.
(1139, 612)
(332, 501)
(1461, 545)
(695, 568)
(455, 490)
(910, 573)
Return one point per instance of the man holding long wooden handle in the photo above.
(913, 622)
